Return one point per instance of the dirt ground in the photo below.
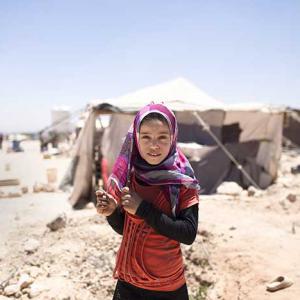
(243, 241)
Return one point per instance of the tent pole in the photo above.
(239, 166)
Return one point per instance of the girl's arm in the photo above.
(183, 228)
(116, 220)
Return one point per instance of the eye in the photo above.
(145, 137)
(164, 137)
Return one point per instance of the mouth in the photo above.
(153, 155)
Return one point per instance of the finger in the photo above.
(100, 192)
(103, 196)
(126, 197)
(111, 198)
(125, 189)
(125, 202)
(103, 202)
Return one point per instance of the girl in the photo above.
(152, 200)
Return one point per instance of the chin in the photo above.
(154, 162)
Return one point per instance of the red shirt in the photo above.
(146, 258)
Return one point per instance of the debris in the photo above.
(35, 290)
(12, 289)
(14, 193)
(37, 187)
(295, 170)
(252, 191)
(34, 271)
(31, 246)
(90, 205)
(24, 189)
(8, 182)
(229, 188)
(24, 281)
(42, 187)
(292, 198)
(58, 223)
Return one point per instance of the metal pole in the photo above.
(239, 166)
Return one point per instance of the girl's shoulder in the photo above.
(187, 197)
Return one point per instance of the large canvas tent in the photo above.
(251, 134)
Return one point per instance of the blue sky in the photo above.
(69, 52)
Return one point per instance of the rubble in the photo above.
(291, 197)
(24, 281)
(31, 245)
(24, 189)
(229, 188)
(58, 223)
(11, 290)
(43, 187)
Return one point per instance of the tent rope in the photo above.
(239, 166)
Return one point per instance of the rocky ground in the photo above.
(243, 242)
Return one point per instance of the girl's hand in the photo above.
(130, 201)
(106, 203)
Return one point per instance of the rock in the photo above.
(292, 198)
(14, 193)
(35, 290)
(244, 193)
(42, 187)
(295, 170)
(24, 189)
(229, 188)
(34, 271)
(18, 295)
(24, 281)
(48, 188)
(252, 191)
(31, 245)
(37, 187)
(58, 223)
(12, 289)
(90, 205)
(4, 298)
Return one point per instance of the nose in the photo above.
(154, 144)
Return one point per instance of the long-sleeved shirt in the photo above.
(183, 228)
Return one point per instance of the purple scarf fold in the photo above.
(174, 171)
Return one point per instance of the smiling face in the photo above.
(154, 141)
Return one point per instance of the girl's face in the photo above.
(154, 141)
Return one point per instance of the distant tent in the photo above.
(251, 134)
(291, 128)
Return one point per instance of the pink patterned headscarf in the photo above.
(173, 171)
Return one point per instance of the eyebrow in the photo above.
(160, 132)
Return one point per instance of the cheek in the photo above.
(142, 148)
(166, 148)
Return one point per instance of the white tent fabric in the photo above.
(179, 94)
